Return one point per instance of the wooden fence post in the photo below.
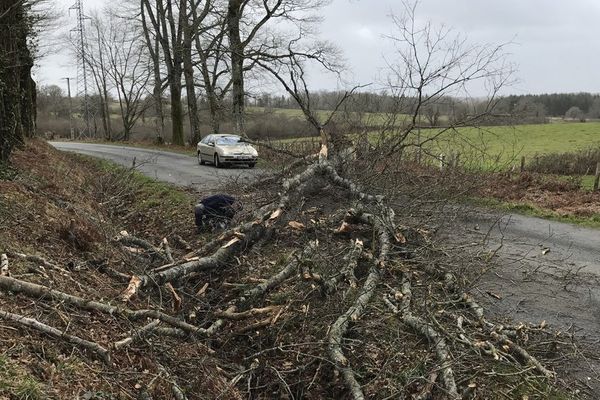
(456, 160)
(522, 164)
(597, 178)
(442, 159)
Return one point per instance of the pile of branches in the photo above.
(313, 325)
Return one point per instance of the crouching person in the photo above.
(215, 212)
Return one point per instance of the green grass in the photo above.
(506, 142)
(17, 383)
(528, 140)
(533, 211)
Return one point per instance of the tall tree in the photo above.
(249, 39)
(213, 63)
(167, 26)
(153, 46)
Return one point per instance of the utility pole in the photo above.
(71, 131)
(82, 73)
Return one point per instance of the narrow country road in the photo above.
(541, 270)
(175, 168)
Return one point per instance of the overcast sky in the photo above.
(556, 44)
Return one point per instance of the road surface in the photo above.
(175, 168)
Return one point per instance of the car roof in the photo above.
(225, 134)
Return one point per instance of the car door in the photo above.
(205, 149)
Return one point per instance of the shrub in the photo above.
(582, 162)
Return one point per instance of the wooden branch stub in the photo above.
(176, 297)
(134, 284)
(4, 265)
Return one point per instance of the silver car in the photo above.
(223, 150)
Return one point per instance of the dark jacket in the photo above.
(220, 206)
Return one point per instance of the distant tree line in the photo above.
(557, 104)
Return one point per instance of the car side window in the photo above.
(206, 139)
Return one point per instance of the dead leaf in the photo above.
(344, 228)
(296, 225)
(400, 238)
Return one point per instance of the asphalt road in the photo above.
(548, 244)
(178, 169)
(542, 270)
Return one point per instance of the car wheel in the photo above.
(251, 165)
(200, 160)
(217, 162)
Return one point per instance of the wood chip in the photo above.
(344, 228)
(276, 214)
(176, 298)
(400, 238)
(4, 265)
(494, 295)
(132, 288)
(231, 243)
(296, 225)
(202, 290)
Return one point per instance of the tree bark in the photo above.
(234, 14)
(188, 72)
(17, 89)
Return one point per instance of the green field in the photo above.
(529, 140)
(503, 144)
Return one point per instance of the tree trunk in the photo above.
(176, 107)
(153, 45)
(237, 65)
(17, 89)
(188, 71)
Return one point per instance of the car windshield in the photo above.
(228, 140)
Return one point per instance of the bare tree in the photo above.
(213, 64)
(129, 70)
(248, 38)
(95, 47)
(167, 26)
(431, 64)
(154, 49)
(193, 27)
